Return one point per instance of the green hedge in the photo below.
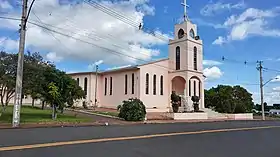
(132, 110)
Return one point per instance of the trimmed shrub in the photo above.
(85, 105)
(195, 100)
(175, 100)
(132, 110)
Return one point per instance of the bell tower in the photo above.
(186, 60)
(185, 50)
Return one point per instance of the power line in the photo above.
(94, 33)
(83, 40)
(50, 32)
(7, 38)
(272, 70)
(107, 49)
(119, 16)
(101, 37)
(245, 62)
(10, 18)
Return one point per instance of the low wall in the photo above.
(241, 116)
(189, 116)
(157, 109)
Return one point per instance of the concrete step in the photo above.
(213, 114)
(218, 118)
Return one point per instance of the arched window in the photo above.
(125, 84)
(194, 88)
(85, 86)
(105, 88)
(195, 58)
(181, 33)
(155, 85)
(161, 85)
(147, 83)
(199, 89)
(111, 85)
(190, 89)
(78, 81)
(192, 33)
(132, 86)
(178, 58)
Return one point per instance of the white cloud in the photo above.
(53, 57)
(202, 22)
(277, 89)
(219, 41)
(5, 5)
(93, 66)
(215, 8)
(211, 62)
(269, 97)
(118, 67)
(252, 22)
(277, 79)
(98, 62)
(9, 44)
(213, 73)
(79, 20)
(251, 14)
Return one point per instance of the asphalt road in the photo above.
(180, 139)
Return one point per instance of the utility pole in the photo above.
(95, 95)
(260, 68)
(18, 92)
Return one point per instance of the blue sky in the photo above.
(238, 30)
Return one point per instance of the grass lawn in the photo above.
(36, 115)
(114, 114)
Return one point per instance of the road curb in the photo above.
(92, 113)
(31, 126)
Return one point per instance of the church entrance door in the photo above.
(178, 85)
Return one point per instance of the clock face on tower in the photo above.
(192, 33)
(181, 33)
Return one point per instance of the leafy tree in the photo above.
(54, 97)
(33, 75)
(227, 99)
(132, 110)
(7, 77)
(8, 70)
(258, 107)
(276, 106)
(38, 77)
(266, 107)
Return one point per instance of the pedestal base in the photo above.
(189, 116)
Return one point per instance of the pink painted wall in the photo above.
(118, 88)
(25, 101)
(165, 68)
(90, 87)
(150, 100)
(187, 70)
(178, 85)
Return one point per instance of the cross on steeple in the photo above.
(185, 10)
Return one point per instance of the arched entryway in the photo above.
(178, 86)
(195, 86)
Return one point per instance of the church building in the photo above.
(153, 83)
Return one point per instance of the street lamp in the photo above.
(276, 78)
(96, 64)
(262, 85)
